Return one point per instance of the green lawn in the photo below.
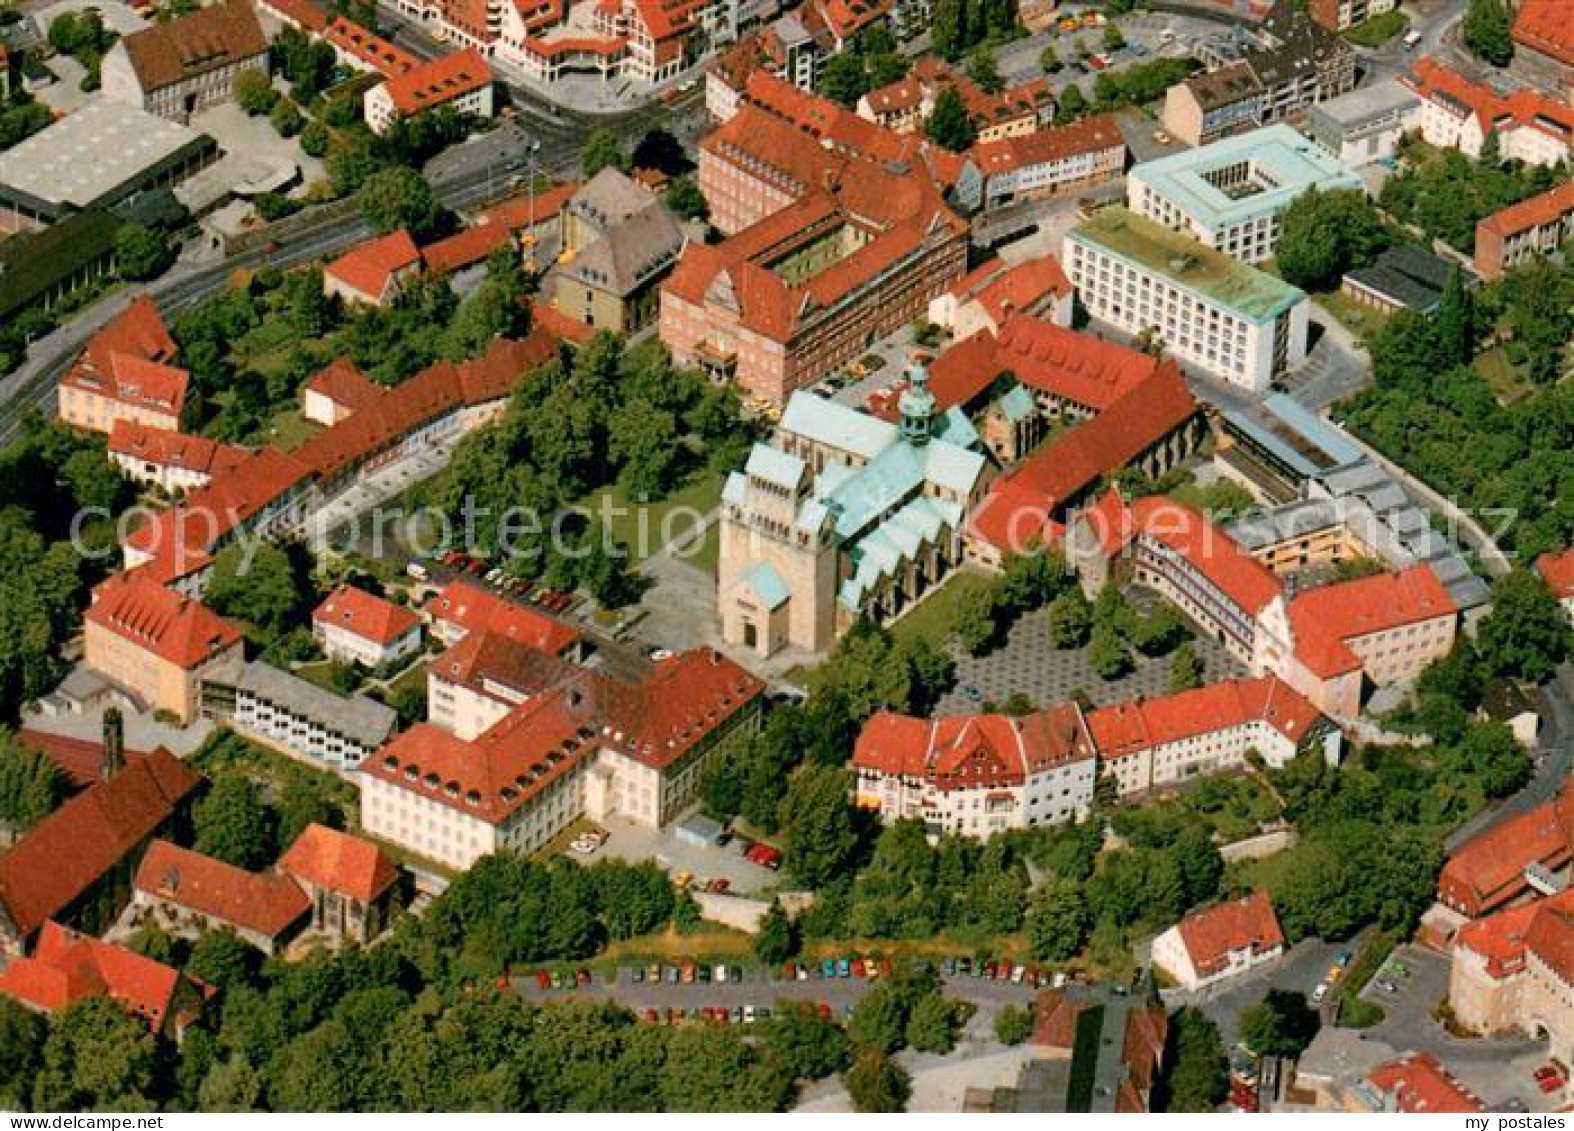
(290, 430)
(324, 674)
(644, 529)
(1507, 382)
(1362, 321)
(1378, 30)
(933, 617)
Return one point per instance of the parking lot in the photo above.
(636, 843)
(1300, 970)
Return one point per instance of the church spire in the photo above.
(917, 405)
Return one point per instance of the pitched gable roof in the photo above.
(208, 39)
(262, 902)
(1214, 933)
(67, 967)
(368, 616)
(326, 858)
(71, 849)
(369, 268)
(160, 621)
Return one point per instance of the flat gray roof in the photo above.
(361, 720)
(93, 151)
(1366, 102)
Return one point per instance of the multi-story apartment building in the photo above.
(461, 80)
(1459, 114)
(664, 36)
(592, 746)
(1051, 162)
(1229, 195)
(174, 462)
(357, 627)
(1511, 973)
(1235, 322)
(311, 722)
(1328, 643)
(1538, 226)
(1365, 125)
(977, 775)
(124, 374)
(483, 677)
(1214, 105)
(157, 645)
(1338, 15)
(786, 49)
(847, 251)
(189, 64)
(1220, 942)
(904, 106)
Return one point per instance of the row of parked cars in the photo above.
(551, 600)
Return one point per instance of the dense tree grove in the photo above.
(1510, 466)
(31, 785)
(1444, 193)
(960, 25)
(872, 62)
(1196, 1076)
(1324, 234)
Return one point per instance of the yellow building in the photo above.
(156, 644)
(124, 374)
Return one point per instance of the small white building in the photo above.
(1220, 942)
(461, 80)
(356, 627)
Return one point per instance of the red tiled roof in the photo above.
(1540, 210)
(465, 248)
(262, 902)
(342, 382)
(160, 621)
(128, 360)
(1524, 108)
(71, 849)
(473, 608)
(1546, 26)
(1045, 147)
(365, 615)
(1488, 870)
(1080, 368)
(1500, 938)
(1188, 532)
(80, 759)
(1055, 1020)
(560, 325)
(438, 81)
(1214, 933)
(1141, 724)
(336, 861)
(846, 18)
(663, 717)
(1557, 569)
(1068, 465)
(1421, 1085)
(1325, 619)
(369, 267)
(306, 14)
(972, 751)
(520, 212)
(487, 657)
(1024, 287)
(67, 967)
(164, 448)
(376, 52)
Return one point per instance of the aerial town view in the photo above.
(817, 556)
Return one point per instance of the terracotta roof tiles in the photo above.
(365, 615)
(265, 903)
(336, 861)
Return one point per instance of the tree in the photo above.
(602, 151)
(1488, 30)
(932, 1024)
(96, 1057)
(1456, 321)
(877, 1083)
(948, 29)
(817, 826)
(1057, 920)
(31, 785)
(977, 621)
(1186, 668)
(220, 959)
(21, 1054)
(285, 118)
(1013, 1024)
(1070, 619)
(843, 79)
(644, 440)
(1072, 105)
(949, 125)
(1525, 635)
(231, 1085)
(684, 197)
(1324, 234)
(983, 69)
(254, 91)
(1197, 1069)
(38, 593)
(234, 825)
(264, 590)
(1107, 652)
(806, 1045)
(1049, 60)
(315, 138)
(1282, 1024)
(775, 940)
(399, 197)
(879, 1020)
(139, 254)
(1113, 39)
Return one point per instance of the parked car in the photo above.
(637, 974)
(858, 968)
(828, 968)
(688, 973)
(557, 980)
(721, 973)
(653, 972)
(1320, 993)
(543, 980)
(844, 968)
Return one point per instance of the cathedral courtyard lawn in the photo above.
(700, 494)
(934, 617)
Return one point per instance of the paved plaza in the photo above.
(1029, 663)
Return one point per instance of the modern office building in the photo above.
(1230, 194)
(1365, 125)
(1235, 322)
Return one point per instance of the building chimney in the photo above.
(114, 744)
